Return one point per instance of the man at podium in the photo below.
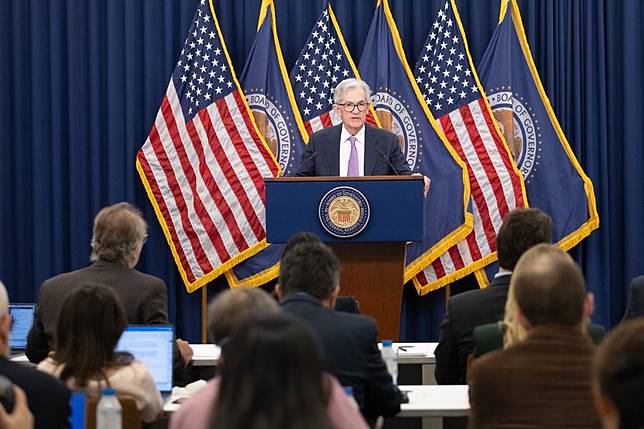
(353, 148)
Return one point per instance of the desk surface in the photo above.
(424, 401)
(408, 353)
(436, 401)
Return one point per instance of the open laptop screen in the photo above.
(23, 317)
(151, 345)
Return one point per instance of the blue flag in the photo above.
(400, 107)
(555, 182)
(269, 94)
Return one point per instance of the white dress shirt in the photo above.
(345, 151)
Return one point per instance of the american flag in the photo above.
(447, 81)
(203, 162)
(322, 65)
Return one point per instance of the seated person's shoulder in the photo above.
(30, 378)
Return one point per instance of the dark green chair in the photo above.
(489, 337)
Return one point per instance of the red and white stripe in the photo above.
(495, 186)
(206, 178)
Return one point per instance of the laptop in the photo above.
(152, 345)
(22, 316)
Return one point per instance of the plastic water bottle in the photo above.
(389, 356)
(108, 411)
(348, 390)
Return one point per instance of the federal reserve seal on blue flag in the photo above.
(344, 212)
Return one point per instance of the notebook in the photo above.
(22, 316)
(151, 345)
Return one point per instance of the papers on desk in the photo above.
(413, 349)
(181, 393)
(205, 354)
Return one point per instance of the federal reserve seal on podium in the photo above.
(344, 212)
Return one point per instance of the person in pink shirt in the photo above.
(270, 374)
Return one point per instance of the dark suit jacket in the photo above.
(464, 312)
(351, 351)
(47, 397)
(143, 296)
(321, 156)
(542, 382)
(635, 306)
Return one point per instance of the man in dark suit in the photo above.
(543, 381)
(635, 307)
(521, 229)
(119, 234)
(308, 287)
(47, 397)
(353, 148)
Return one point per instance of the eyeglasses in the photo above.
(350, 107)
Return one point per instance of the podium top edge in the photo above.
(341, 179)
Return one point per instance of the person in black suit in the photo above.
(119, 234)
(521, 229)
(48, 398)
(635, 307)
(308, 287)
(332, 151)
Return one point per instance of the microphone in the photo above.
(382, 155)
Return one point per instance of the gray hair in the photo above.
(4, 300)
(349, 84)
(234, 307)
(118, 230)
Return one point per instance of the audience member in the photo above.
(90, 323)
(277, 356)
(505, 334)
(47, 398)
(348, 304)
(618, 385)
(521, 229)
(274, 368)
(119, 234)
(308, 287)
(543, 381)
(635, 306)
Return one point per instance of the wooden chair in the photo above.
(131, 418)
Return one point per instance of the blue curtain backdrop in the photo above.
(81, 82)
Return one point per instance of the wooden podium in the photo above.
(373, 259)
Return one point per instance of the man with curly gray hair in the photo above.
(119, 234)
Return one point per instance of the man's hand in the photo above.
(185, 350)
(21, 417)
(427, 185)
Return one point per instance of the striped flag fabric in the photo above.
(450, 87)
(203, 162)
(402, 110)
(555, 182)
(268, 91)
(323, 63)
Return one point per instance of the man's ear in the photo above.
(334, 297)
(278, 292)
(5, 328)
(605, 409)
(589, 307)
(523, 321)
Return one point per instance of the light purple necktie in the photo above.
(353, 169)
